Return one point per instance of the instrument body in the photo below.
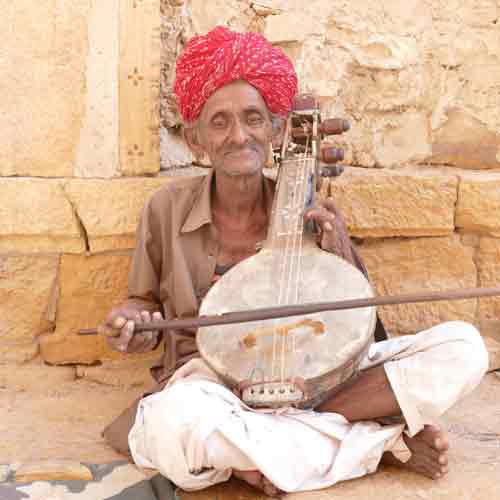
(289, 361)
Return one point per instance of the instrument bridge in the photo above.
(272, 394)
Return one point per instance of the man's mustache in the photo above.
(239, 149)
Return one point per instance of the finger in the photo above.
(138, 318)
(329, 204)
(157, 316)
(119, 322)
(143, 342)
(146, 316)
(324, 219)
(146, 346)
(107, 331)
(127, 333)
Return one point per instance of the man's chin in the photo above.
(243, 169)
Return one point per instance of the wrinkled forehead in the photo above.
(235, 97)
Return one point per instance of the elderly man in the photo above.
(231, 89)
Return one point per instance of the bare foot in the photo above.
(258, 481)
(428, 453)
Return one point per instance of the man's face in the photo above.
(235, 129)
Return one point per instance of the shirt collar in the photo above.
(201, 211)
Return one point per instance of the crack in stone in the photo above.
(79, 222)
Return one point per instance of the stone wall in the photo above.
(87, 137)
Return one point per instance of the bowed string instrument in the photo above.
(289, 325)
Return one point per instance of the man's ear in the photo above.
(192, 139)
(278, 131)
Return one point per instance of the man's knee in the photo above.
(466, 342)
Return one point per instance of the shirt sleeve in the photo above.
(145, 272)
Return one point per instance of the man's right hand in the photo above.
(119, 329)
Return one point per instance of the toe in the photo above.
(434, 437)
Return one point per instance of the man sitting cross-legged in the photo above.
(231, 89)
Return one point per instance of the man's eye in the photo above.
(219, 123)
(255, 119)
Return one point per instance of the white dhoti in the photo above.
(196, 431)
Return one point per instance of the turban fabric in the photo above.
(223, 56)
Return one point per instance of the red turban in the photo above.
(222, 56)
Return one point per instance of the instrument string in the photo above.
(294, 253)
(287, 246)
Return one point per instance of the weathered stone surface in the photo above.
(52, 470)
(89, 287)
(35, 375)
(36, 216)
(480, 92)
(401, 266)
(488, 264)
(478, 203)
(494, 353)
(490, 328)
(110, 210)
(120, 373)
(97, 149)
(27, 286)
(205, 16)
(44, 61)
(465, 141)
(379, 203)
(174, 151)
(266, 7)
(401, 139)
(289, 28)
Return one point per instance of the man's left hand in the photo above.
(324, 215)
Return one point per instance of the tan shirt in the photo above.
(175, 257)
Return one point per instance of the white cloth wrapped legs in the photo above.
(196, 431)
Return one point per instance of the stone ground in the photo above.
(53, 430)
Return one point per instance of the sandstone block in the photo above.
(368, 90)
(174, 151)
(36, 216)
(44, 98)
(122, 373)
(400, 138)
(290, 27)
(488, 263)
(266, 7)
(27, 287)
(362, 18)
(478, 203)
(490, 328)
(480, 93)
(464, 141)
(205, 16)
(110, 210)
(424, 264)
(52, 470)
(35, 376)
(97, 150)
(378, 203)
(387, 52)
(89, 287)
(494, 353)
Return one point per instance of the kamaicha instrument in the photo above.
(293, 322)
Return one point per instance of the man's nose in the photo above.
(239, 133)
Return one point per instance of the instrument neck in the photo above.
(295, 191)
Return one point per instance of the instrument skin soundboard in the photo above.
(290, 361)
